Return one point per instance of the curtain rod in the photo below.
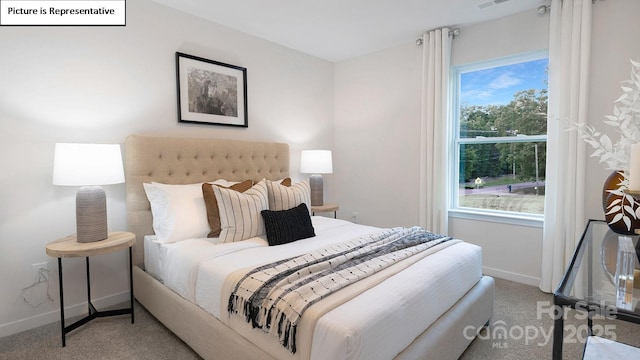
(453, 33)
(542, 9)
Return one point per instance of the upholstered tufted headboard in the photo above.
(171, 160)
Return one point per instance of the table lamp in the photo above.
(316, 162)
(89, 166)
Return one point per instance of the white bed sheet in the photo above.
(196, 269)
(154, 254)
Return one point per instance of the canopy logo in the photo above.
(501, 334)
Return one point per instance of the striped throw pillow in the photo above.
(240, 217)
(287, 197)
(213, 216)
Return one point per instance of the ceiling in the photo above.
(337, 30)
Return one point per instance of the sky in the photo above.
(496, 86)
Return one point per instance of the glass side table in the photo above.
(588, 283)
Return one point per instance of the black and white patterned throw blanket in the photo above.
(273, 297)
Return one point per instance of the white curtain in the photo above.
(433, 131)
(564, 219)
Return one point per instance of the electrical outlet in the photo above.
(354, 218)
(40, 272)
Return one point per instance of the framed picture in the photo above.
(211, 92)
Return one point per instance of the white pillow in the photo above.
(287, 197)
(240, 217)
(179, 211)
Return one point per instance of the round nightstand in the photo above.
(69, 247)
(325, 208)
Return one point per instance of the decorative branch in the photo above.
(626, 121)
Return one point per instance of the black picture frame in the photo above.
(211, 92)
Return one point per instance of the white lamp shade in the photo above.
(87, 164)
(316, 162)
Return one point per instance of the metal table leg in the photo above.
(92, 311)
(558, 333)
(64, 343)
(131, 282)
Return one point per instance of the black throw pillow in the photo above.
(286, 226)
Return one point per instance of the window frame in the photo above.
(455, 211)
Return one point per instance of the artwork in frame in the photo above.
(211, 92)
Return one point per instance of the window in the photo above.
(500, 136)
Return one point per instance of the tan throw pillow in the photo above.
(213, 214)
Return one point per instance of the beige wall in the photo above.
(100, 84)
(377, 114)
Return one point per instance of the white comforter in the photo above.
(376, 324)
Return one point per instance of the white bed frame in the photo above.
(193, 160)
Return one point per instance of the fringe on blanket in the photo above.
(257, 315)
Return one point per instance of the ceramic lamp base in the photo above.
(91, 214)
(317, 196)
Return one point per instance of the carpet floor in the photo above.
(521, 329)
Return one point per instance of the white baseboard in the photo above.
(53, 316)
(507, 275)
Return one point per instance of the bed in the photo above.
(435, 321)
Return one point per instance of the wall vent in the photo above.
(490, 3)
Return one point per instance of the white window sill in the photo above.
(536, 221)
